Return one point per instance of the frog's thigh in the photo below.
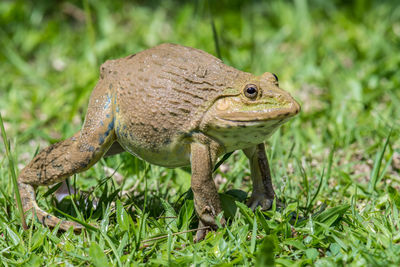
(78, 153)
(263, 192)
(206, 199)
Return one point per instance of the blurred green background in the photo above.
(340, 59)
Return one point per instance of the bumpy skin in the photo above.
(172, 106)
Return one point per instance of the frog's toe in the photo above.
(202, 231)
(52, 221)
(260, 200)
(204, 228)
(201, 234)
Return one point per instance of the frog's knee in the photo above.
(28, 176)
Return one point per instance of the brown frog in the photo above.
(172, 106)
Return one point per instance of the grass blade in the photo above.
(13, 175)
(88, 226)
(97, 255)
(253, 236)
(169, 248)
(321, 179)
(377, 165)
(110, 243)
(225, 157)
(214, 31)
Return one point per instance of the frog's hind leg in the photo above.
(76, 154)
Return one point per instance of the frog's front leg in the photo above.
(263, 193)
(206, 199)
(76, 154)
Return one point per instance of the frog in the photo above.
(172, 106)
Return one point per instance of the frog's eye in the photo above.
(251, 91)
(276, 77)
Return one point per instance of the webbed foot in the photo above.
(263, 201)
(260, 200)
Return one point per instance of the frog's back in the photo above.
(161, 95)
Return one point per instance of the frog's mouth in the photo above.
(255, 117)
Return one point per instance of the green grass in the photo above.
(334, 165)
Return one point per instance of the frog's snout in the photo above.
(296, 107)
(292, 106)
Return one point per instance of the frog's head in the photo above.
(248, 112)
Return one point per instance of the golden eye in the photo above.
(276, 77)
(251, 91)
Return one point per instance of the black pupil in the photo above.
(276, 77)
(251, 90)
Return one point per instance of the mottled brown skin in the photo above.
(172, 106)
